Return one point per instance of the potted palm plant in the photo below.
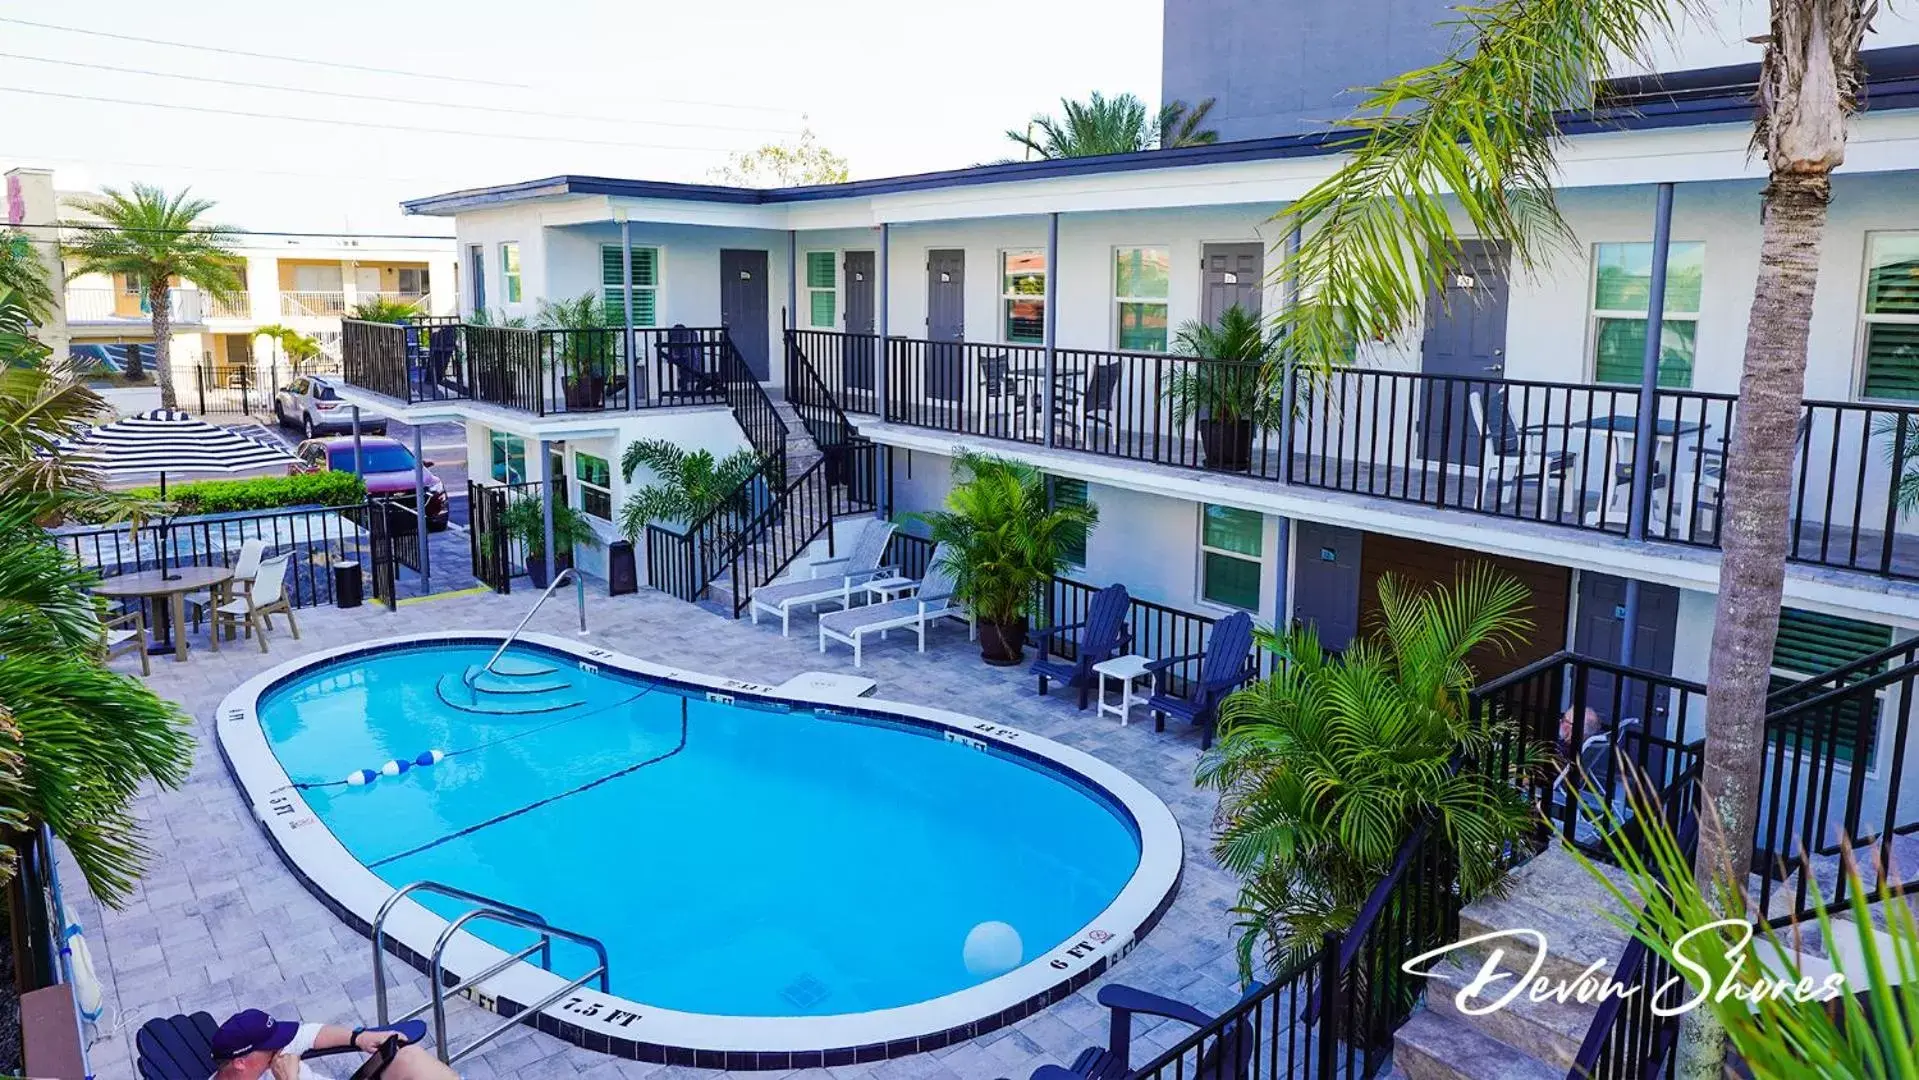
(1003, 539)
(524, 521)
(586, 350)
(1234, 388)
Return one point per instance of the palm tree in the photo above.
(155, 239)
(1474, 139)
(77, 740)
(384, 309)
(1326, 766)
(298, 348)
(690, 485)
(22, 271)
(1118, 125)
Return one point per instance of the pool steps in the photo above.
(518, 691)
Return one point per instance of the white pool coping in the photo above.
(628, 1028)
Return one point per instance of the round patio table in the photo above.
(169, 596)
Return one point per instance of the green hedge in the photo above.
(263, 493)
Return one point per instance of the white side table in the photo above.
(1128, 669)
(881, 590)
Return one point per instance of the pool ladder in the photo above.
(579, 594)
(488, 910)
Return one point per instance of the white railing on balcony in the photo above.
(317, 305)
(238, 306)
(100, 305)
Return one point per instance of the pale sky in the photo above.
(894, 85)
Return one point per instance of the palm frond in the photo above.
(1463, 147)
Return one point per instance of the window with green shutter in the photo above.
(646, 285)
(595, 478)
(510, 271)
(1231, 556)
(822, 291)
(1023, 296)
(1811, 643)
(1065, 492)
(1622, 289)
(1891, 338)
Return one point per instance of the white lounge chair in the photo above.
(833, 580)
(933, 601)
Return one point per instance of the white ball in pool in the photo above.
(992, 948)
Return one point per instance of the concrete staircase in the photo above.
(801, 450)
(801, 454)
(1526, 1039)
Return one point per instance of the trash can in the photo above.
(348, 588)
(622, 576)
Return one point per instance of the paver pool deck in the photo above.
(219, 923)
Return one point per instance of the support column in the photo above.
(636, 390)
(885, 304)
(358, 457)
(1288, 399)
(419, 502)
(1644, 423)
(1051, 327)
(792, 314)
(546, 508)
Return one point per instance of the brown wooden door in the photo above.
(1421, 563)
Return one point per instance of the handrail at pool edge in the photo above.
(579, 589)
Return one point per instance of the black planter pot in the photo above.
(1003, 644)
(536, 568)
(1228, 444)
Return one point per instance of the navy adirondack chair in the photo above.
(1227, 664)
(1102, 636)
(1227, 1057)
(180, 1047)
(684, 357)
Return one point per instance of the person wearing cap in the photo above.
(252, 1045)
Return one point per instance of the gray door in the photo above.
(1596, 623)
(1231, 277)
(743, 308)
(1326, 581)
(945, 323)
(860, 319)
(1465, 337)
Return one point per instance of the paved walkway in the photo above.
(218, 922)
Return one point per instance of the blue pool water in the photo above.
(762, 864)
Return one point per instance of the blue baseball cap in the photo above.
(249, 1030)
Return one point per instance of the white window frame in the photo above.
(512, 286)
(1867, 320)
(494, 438)
(1112, 286)
(807, 287)
(658, 288)
(1086, 545)
(1594, 313)
(1199, 577)
(1006, 296)
(580, 484)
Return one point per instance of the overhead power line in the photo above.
(384, 99)
(30, 158)
(145, 40)
(90, 227)
(372, 124)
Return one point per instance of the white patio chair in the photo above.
(1506, 464)
(245, 568)
(256, 607)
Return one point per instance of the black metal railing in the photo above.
(377, 535)
(966, 388)
(1826, 793)
(818, 407)
(1580, 728)
(1556, 453)
(1627, 1039)
(681, 563)
(497, 555)
(846, 365)
(742, 391)
(584, 370)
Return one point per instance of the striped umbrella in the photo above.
(166, 441)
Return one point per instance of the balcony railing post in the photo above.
(882, 377)
(1899, 465)
(1051, 327)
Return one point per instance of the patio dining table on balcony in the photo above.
(1621, 432)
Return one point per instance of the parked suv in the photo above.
(385, 464)
(311, 404)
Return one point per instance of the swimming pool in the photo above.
(781, 876)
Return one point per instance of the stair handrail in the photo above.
(768, 430)
(579, 587)
(800, 371)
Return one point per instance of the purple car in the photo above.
(386, 466)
